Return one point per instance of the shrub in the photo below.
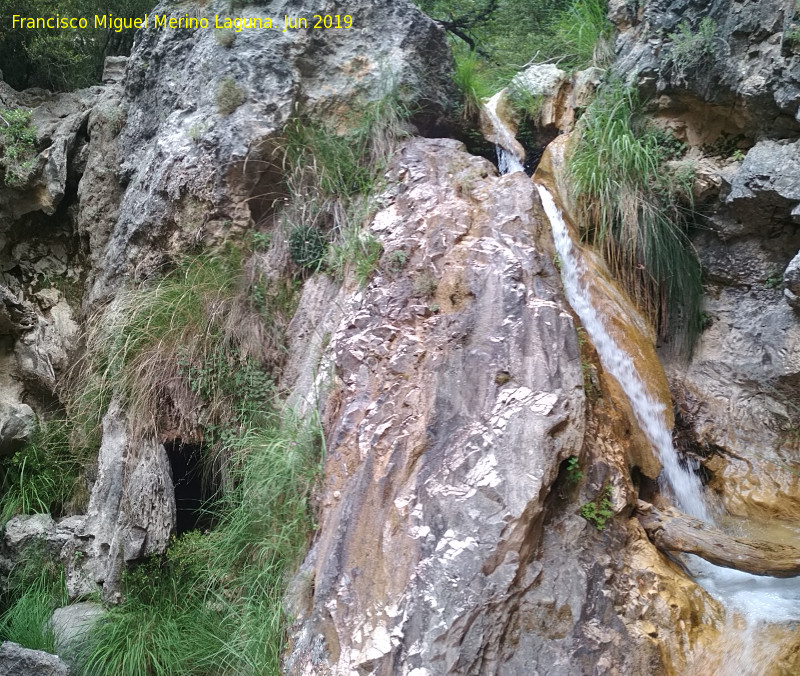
(636, 212)
(18, 145)
(229, 96)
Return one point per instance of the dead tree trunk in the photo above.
(675, 532)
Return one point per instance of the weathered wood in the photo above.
(673, 531)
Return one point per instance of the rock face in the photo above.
(18, 661)
(743, 78)
(193, 164)
(129, 175)
(452, 392)
(739, 390)
(131, 510)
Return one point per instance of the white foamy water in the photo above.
(682, 482)
(507, 160)
(759, 600)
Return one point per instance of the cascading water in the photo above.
(507, 161)
(766, 607)
(683, 483)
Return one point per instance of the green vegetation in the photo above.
(18, 145)
(225, 37)
(600, 510)
(38, 478)
(307, 247)
(425, 284)
(574, 474)
(169, 350)
(192, 353)
(493, 39)
(526, 106)
(333, 176)
(212, 605)
(35, 588)
(636, 211)
(229, 96)
(63, 58)
(691, 49)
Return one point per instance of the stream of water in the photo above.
(758, 600)
(760, 608)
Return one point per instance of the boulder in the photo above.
(73, 624)
(17, 423)
(131, 510)
(18, 661)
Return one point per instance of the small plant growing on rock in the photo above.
(600, 510)
(690, 49)
(425, 284)
(396, 260)
(225, 37)
(307, 247)
(196, 132)
(18, 145)
(574, 474)
(229, 96)
(526, 106)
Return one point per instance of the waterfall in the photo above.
(758, 599)
(682, 482)
(763, 608)
(507, 160)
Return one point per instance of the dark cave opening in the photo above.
(192, 489)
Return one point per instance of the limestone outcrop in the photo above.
(452, 391)
(203, 117)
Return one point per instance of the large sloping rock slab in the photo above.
(456, 393)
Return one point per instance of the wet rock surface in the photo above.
(446, 535)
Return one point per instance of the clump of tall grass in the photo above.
(39, 478)
(332, 177)
(213, 605)
(471, 78)
(35, 588)
(169, 349)
(582, 35)
(636, 212)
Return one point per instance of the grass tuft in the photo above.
(333, 178)
(35, 588)
(40, 477)
(171, 350)
(637, 212)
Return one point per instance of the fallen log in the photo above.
(672, 531)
